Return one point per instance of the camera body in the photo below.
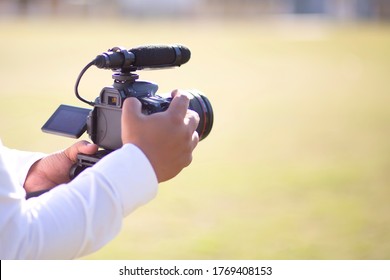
(104, 121)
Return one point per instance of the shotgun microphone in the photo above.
(152, 56)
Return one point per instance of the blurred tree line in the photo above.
(333, 9)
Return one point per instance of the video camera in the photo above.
(103, 122)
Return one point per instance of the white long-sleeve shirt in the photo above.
(74, 219)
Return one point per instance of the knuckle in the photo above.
(195, 138)
(185, 97)
(197, 117)
(183, 100)
(188, 135)
(181, 94)
(187, 160)
(193, 117)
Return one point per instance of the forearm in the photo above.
(78, 218)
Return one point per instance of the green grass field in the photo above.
(298, 163)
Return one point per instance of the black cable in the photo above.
(76, 90)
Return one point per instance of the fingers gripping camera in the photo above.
(103, 122)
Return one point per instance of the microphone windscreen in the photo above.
(160, 56)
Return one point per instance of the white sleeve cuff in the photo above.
(129, 170)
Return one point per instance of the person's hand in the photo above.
(166, 138)
(53, 169)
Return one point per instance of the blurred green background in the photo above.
(297, 165)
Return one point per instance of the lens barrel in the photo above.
(200, 104)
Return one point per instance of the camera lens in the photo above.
(200, 104)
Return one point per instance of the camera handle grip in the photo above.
(35, 194)
(85, 161)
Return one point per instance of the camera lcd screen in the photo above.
(67, 121)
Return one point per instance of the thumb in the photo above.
(83, 147)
